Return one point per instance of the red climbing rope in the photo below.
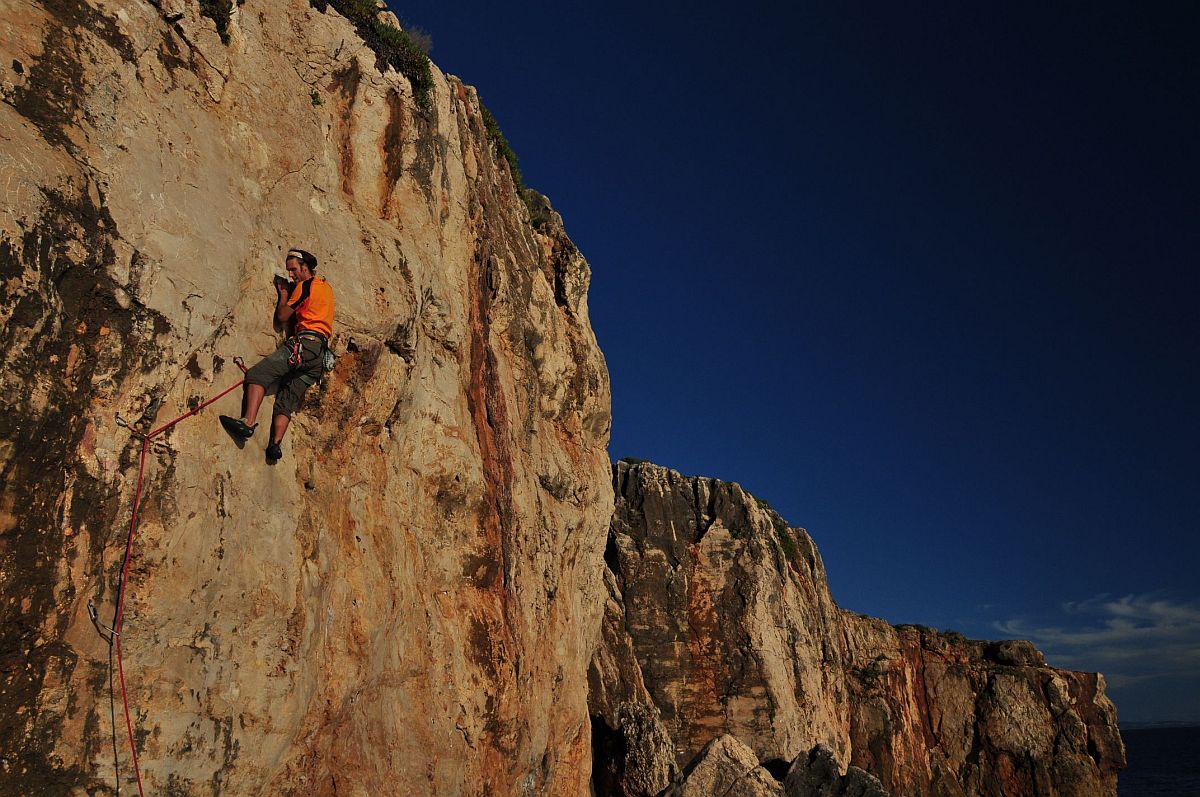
(119, 615)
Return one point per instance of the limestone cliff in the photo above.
(719, 621)
(407, 602)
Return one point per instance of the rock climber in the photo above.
(305, 303)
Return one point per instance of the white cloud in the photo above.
(1130, 639)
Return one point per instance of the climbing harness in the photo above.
(297, 349)
(296, 356)
(112, 634)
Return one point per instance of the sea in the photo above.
(1161, 762)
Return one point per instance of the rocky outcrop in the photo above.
(729, 768)
(720, 622)
(817, 774)
(407, 602)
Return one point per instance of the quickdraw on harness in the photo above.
(112, 634)
(296, 347)
(296, 359)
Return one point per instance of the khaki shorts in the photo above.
(274, 370)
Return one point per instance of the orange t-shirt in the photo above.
(313, 302)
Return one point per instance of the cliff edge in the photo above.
(407, 602)
(719, 622)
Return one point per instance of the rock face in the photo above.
(407, 602)
(720, 622)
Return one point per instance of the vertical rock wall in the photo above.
(406, 603)
(720, 622)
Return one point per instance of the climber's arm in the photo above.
(283, 310)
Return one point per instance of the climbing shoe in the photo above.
(238, 428)
(274, 452)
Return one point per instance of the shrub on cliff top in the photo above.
(503, 148)
(390, 44)
(537, 216)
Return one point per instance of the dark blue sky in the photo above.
(924, 278)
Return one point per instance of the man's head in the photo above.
(300, 265)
